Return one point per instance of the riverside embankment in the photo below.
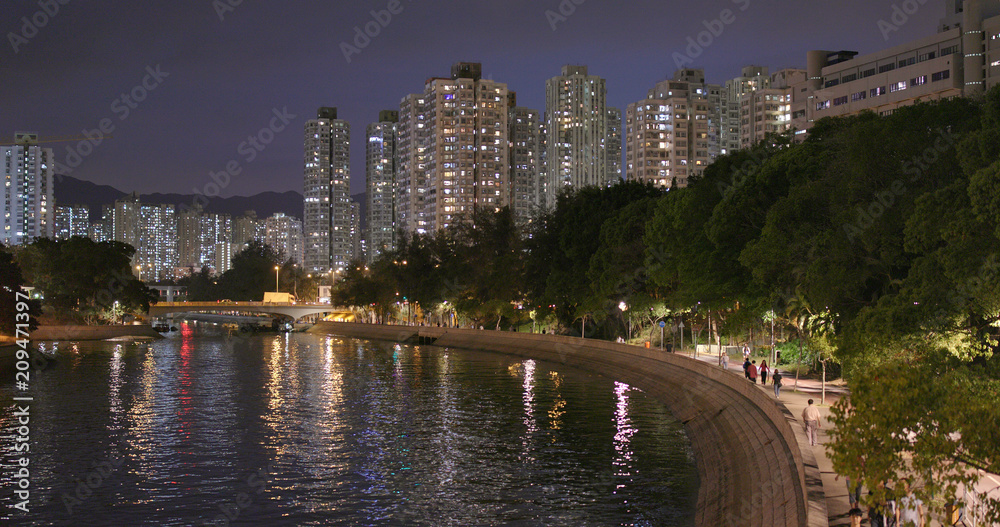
(752, 468)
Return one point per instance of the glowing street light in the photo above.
(276, 269)
(624, 307)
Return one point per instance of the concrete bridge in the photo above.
(289, 310)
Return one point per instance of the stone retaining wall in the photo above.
(93, 332)
(748, 458)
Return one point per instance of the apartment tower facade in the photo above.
(380, 184)
(576, 122)
(29, 206)
(326, 192)
(452, 150)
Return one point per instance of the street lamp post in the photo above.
(276, 269)
(628, 321)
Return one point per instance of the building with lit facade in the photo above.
(247, 228)
(672, 135)
(326, 191)
(151, 230)
(198, 235)
(576, 122)
(284, 234)
(380, 184)
(751, 79)
(614, 145)
(526, 188)
(768, 111)
(72, 221)
(29, 206)
(452, 150)
(962, 59)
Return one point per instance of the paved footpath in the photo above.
(835, 490)
(795, 400)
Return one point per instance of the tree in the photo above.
(200, 285)
(85, 277)
(618, 270)
(575, 237)
(11, 282)
(251, 273)
(487, 283)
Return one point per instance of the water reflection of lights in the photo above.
(449, 422)
(558, 403)
(114, 385)
(530, 425)
(623, 433)
(185, 381)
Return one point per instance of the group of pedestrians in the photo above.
(752, 371)
(908, 510)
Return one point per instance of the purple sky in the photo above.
(225, 77)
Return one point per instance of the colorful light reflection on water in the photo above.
(310, 430)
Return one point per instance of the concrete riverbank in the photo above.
(93, 332)
(753, 471)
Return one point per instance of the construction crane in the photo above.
(31, 138)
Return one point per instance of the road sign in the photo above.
(663, 324)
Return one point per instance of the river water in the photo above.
(299, 429)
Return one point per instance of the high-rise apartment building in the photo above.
(223, 256)
(357, 238)
(284, 233)
(151, 229)
(72, 221)
(452, 150)
(247, 228)
(327, 181)
(768, 111)
(380, 184)
(27, 191)
(198, 234)
(751, 79)
(614, 145)
(672, 135)
(157, 249)
(576, 120)
(525, 188)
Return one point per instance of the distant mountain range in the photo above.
(73, 191)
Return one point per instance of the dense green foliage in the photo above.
(80, 276)
(875, 242)
(11, 281)
(251, 275)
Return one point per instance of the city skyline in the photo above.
(210, 79)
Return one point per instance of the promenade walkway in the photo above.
(837, 503)
(834, 488)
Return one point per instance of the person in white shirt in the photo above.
(810, 418)
(909, 509)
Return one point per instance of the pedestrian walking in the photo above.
(724, 360)
(746, 368)
(752, 372)
(853, 494)
(910, 509)
(776, 381)
(746, 352)
(763, 372)
(883, 514)
(810, 418)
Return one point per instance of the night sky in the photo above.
(225, 77)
